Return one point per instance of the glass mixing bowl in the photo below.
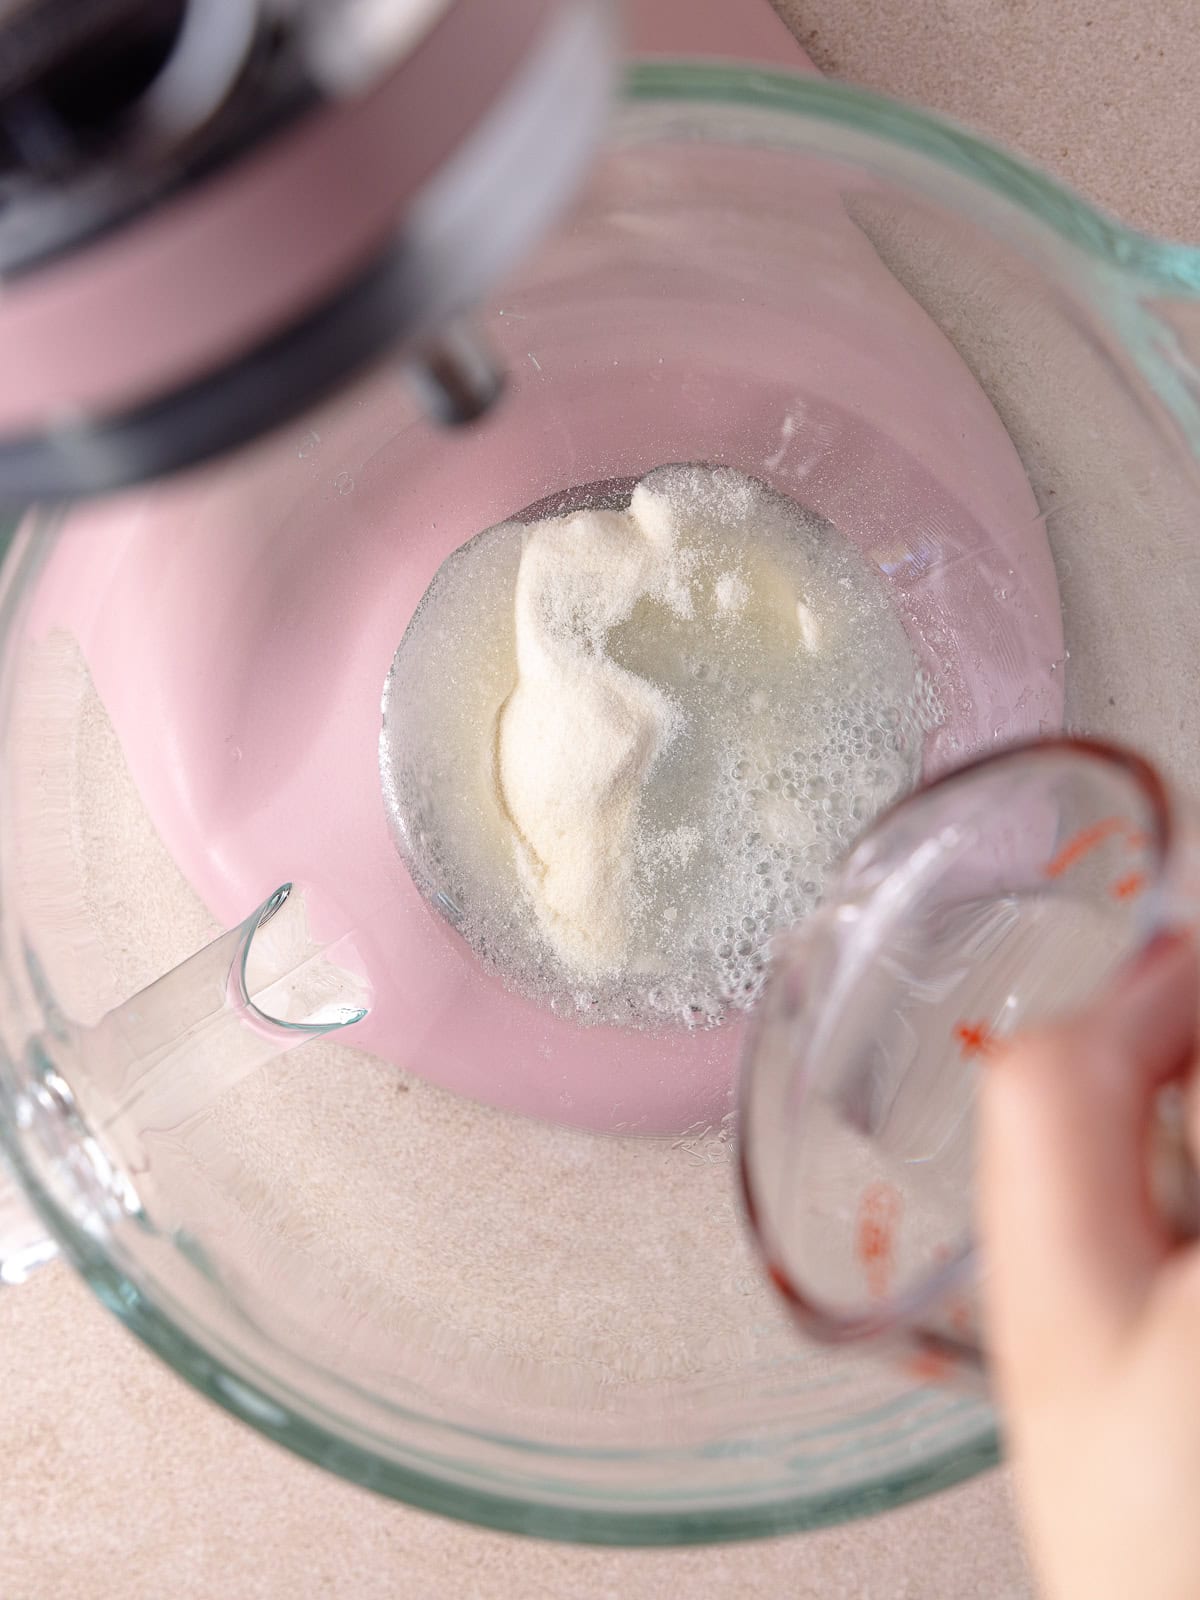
(464, 1250)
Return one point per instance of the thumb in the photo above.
(1071, 1239)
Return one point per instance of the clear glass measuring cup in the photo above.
(370, 1249)
(1003, 895)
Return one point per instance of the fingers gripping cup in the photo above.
(1001, 896)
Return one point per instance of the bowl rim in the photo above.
(1162, 266)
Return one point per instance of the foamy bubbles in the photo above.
(796, 712)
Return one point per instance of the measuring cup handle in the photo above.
(24, 1243)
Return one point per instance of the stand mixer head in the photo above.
(216, 211)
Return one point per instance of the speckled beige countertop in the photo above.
(120, 1482)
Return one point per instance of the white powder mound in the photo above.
(622, 747)
(579, 735)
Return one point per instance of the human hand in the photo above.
(1093, 1307)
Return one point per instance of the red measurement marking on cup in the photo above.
(875, 1241)
(929, 1366)
(975, 1039)
(1088, 839)
(1128, 887)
